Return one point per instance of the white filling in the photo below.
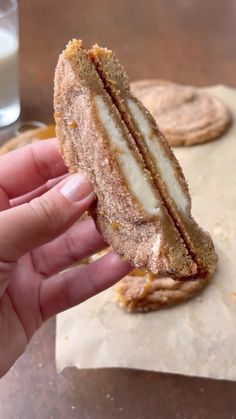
(160, 159)
(156, 245)
(131, 169)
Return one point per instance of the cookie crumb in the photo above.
(115, 226)
(73, 124)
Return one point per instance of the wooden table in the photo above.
(189, 41)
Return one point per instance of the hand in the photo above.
(38, 240)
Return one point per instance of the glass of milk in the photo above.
(9, 41)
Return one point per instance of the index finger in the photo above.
(29, 167)
(73, 286)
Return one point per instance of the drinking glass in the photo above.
(9, 44)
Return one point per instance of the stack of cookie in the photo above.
(187, 116)
(92, 90)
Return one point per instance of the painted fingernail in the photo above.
(77, 188)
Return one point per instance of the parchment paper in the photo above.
(197, 337)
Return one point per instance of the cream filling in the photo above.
(160, 159)
(131, 169)
(156, 245)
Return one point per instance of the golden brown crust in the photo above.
(186, 115)
(85, 146)
(116, 82)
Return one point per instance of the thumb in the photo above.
(30, 225)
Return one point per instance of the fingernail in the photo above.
(76, 188)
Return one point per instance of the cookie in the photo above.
(186, 115)
(140, 292)
(27, 137)
(137, 293)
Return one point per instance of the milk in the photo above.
(9, 95)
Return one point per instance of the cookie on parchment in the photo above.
(141, 292)
(137, 293)
(187, 115)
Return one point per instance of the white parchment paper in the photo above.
(197, 337)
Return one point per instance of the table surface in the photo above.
(189, 41)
